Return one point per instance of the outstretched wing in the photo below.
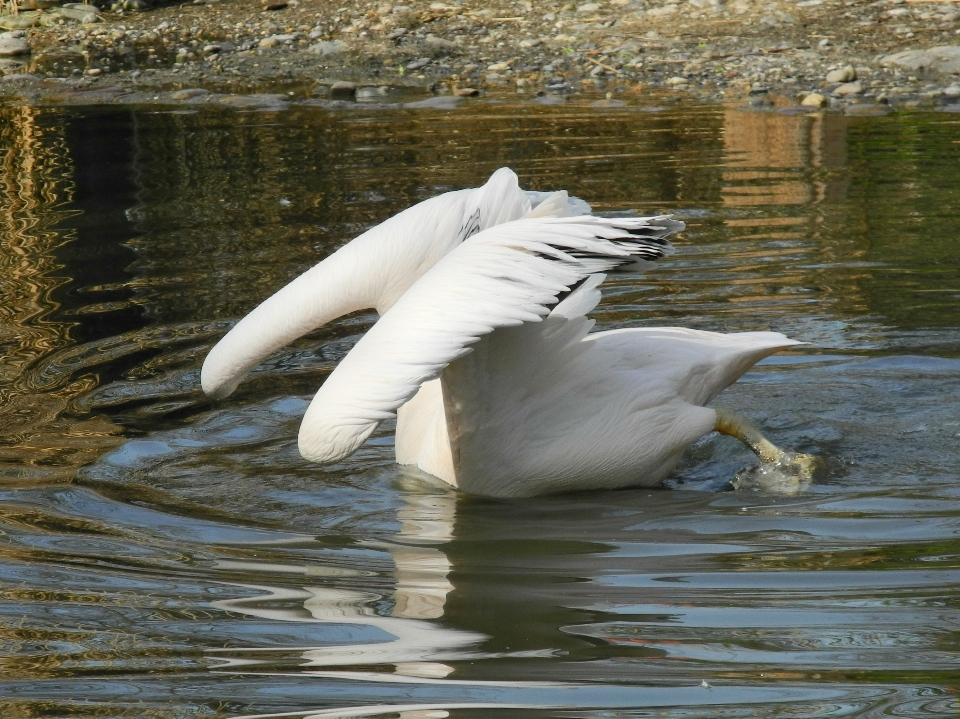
(372, 271)
(504, 276)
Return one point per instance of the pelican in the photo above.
(483, 350)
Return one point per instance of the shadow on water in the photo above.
(164, 556)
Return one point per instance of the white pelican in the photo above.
(483, 351)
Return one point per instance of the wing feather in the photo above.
(504, 276)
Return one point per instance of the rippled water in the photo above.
(162, 556)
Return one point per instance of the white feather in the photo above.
(505, 276)
(483, 348)
(371, 272)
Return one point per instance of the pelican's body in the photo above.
(547, 407)
(483, 348)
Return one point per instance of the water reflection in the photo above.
(196, 563)
(415, 646)
(37, 443)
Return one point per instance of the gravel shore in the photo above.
(813, 53)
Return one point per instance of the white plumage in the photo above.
(500, 389)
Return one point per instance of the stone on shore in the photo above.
(438, 43)
(19, 22)
(343, 90)
(945, 58)
(814, 99)
(11, 46)
(849, 88)
(844, 74)
(327, 47)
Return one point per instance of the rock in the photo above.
(419, 63)
(212, 49)
(849, 88)
(952, 91)
(397, 33)
(275, 40)
(327, 47)
(13, 46)
(945, 58)
(438, 43)
(189, 93)
(343, 90)
(93, 71)
(76, 13)
(19, 22)
(81, 12)
(662, 11)
(368, 93)
(589, 7)
(814, 99)
(19, 77)
(676, 80)
(844, 74)
(466, 92)
(82, 7)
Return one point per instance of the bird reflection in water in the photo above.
(417, 646)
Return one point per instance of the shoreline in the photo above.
(809, 54)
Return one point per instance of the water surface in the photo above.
(163, 556)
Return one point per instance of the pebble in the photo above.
(419, 63)
(844, 74)
(438, 43)
(13, 46)
(849, 88)
(343, 90)
(554, 46)
(275, 40)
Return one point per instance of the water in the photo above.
(162, 556)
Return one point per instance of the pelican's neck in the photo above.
(335, 287)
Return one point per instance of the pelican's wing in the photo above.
(504, 276)
(372, 271)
